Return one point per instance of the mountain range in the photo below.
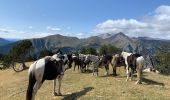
(4, 42)
(143, 45)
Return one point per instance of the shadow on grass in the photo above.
(111, 75)
(76, 95)
(87, 71)
(151, 82)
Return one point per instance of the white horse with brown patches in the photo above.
(133, 62)
(125, 55)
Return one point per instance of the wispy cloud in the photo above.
(16, 34)
(156, 25)
(49, 28)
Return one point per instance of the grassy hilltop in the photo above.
(84, 86)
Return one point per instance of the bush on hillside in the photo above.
(88, 50)
(45, 52)
(109, 49)
(163, 60)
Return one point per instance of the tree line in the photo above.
(162, 60)
(23, 51)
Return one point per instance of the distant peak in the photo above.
(120, 33)
(105, 35)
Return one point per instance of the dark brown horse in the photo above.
(131, 60)
(105, 61)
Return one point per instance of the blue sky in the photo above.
(82, 18)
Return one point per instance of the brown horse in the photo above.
(117, 61)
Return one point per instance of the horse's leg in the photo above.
(74, 66)
(107, 69)
(114, 70)
(59, 85)
(36, 87)
(139, 74)
(97, 69)
(93, 69)
(138, 77)
(131, 74)
(80, 67)
(55, 94)
(85, 66)
(127, 70)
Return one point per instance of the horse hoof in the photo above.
(138, 82)
(126, 80)
(55, 94)
(59, 94)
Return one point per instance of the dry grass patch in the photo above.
(84, 86)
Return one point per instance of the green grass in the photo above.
(84, 86)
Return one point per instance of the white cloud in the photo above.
(163, 9)
(3, 30)
(80, 35)
(15, 34)
(156, 25)
(111, 26)
(49, 28)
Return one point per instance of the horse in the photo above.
(95, 62)
(125, 55)
(76, 61)
(134, 62)
(68, 60)
(80, 62)
(47, 68)
(105, 61)
(117, 61)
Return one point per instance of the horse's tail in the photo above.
(140, 63)
(31, 83)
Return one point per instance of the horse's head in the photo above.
(61, 59)
(60, 66)
(118, 59)
(57, 56)
(122, 54)
(87, 58)
(69, 60)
